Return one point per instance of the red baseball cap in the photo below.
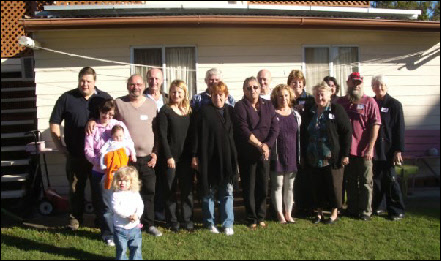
(355, 76)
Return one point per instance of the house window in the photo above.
(176, 63)
(336, 61)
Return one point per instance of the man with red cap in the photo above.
(365, 119)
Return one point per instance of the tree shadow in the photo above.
(68, 252)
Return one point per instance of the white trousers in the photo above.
(282, 186)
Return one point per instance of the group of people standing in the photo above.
(269, 136)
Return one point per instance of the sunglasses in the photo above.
(255, 87)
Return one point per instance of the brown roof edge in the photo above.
(32, 25)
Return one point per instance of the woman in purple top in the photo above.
(256, 129)
(285, 153)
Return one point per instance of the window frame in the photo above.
(333, 51)
(163, 66)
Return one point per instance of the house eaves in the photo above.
(32, 25)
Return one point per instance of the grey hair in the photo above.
(321, 86)
(213, 71)
(250, 79)
(379, 78)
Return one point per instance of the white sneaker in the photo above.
(154, 231)
(213, 230)
(229, 231)
(110, 243)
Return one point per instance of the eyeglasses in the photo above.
(255, 87)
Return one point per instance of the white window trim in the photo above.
(162, 47)
(332, 49)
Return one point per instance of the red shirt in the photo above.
(363, 115)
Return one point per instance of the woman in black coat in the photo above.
(326, 143)
(215, 158)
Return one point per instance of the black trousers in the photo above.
(181, 176)
(303, 192)
(254, 180)
(386, 185)
(148, 181)
(78, 170)
(327, 187)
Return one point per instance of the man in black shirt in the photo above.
(75, 107)
(388, 148)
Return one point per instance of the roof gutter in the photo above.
(32, 25)
(223, 7)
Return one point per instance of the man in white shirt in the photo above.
(155, 78)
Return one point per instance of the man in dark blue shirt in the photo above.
(75, 107)
(388, 148)
(212, 76)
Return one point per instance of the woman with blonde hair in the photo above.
(285, 155)
(175, 155)
(326, 144)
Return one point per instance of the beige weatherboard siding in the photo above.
(409, 59)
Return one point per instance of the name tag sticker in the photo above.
(331, 116)
(302, 102)
(384, 109)
(144, 117)
(360, 106)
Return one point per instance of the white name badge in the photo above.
(302, 102)
(384, 109)
(360, 106)
(331, 116)
(144, 117)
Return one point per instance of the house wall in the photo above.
(411, 60)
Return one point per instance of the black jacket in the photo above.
(215, 148)
(339, 132)
(391, 133)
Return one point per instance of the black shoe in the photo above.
(174, 227)
(365, 218)
(316, 220)
(397, 217)
(189, 227)
(330, 221)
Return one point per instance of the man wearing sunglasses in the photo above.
(256, 129)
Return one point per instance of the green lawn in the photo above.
(415, 237)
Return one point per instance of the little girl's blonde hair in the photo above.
(127, 173)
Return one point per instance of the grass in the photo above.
(415, 237)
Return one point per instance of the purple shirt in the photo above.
(363, 115)
(263, 124)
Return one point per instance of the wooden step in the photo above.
(23, 122)
(19, 99)
(13, 148)
(6, 163)
(19, 110)
(15, 135)
(14, 177)
(18, 89)
(13, 193)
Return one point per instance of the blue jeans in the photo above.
(107, 226)
(225, 194)
(128, 237)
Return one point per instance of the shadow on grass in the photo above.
(70, 252)
(424, 207)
